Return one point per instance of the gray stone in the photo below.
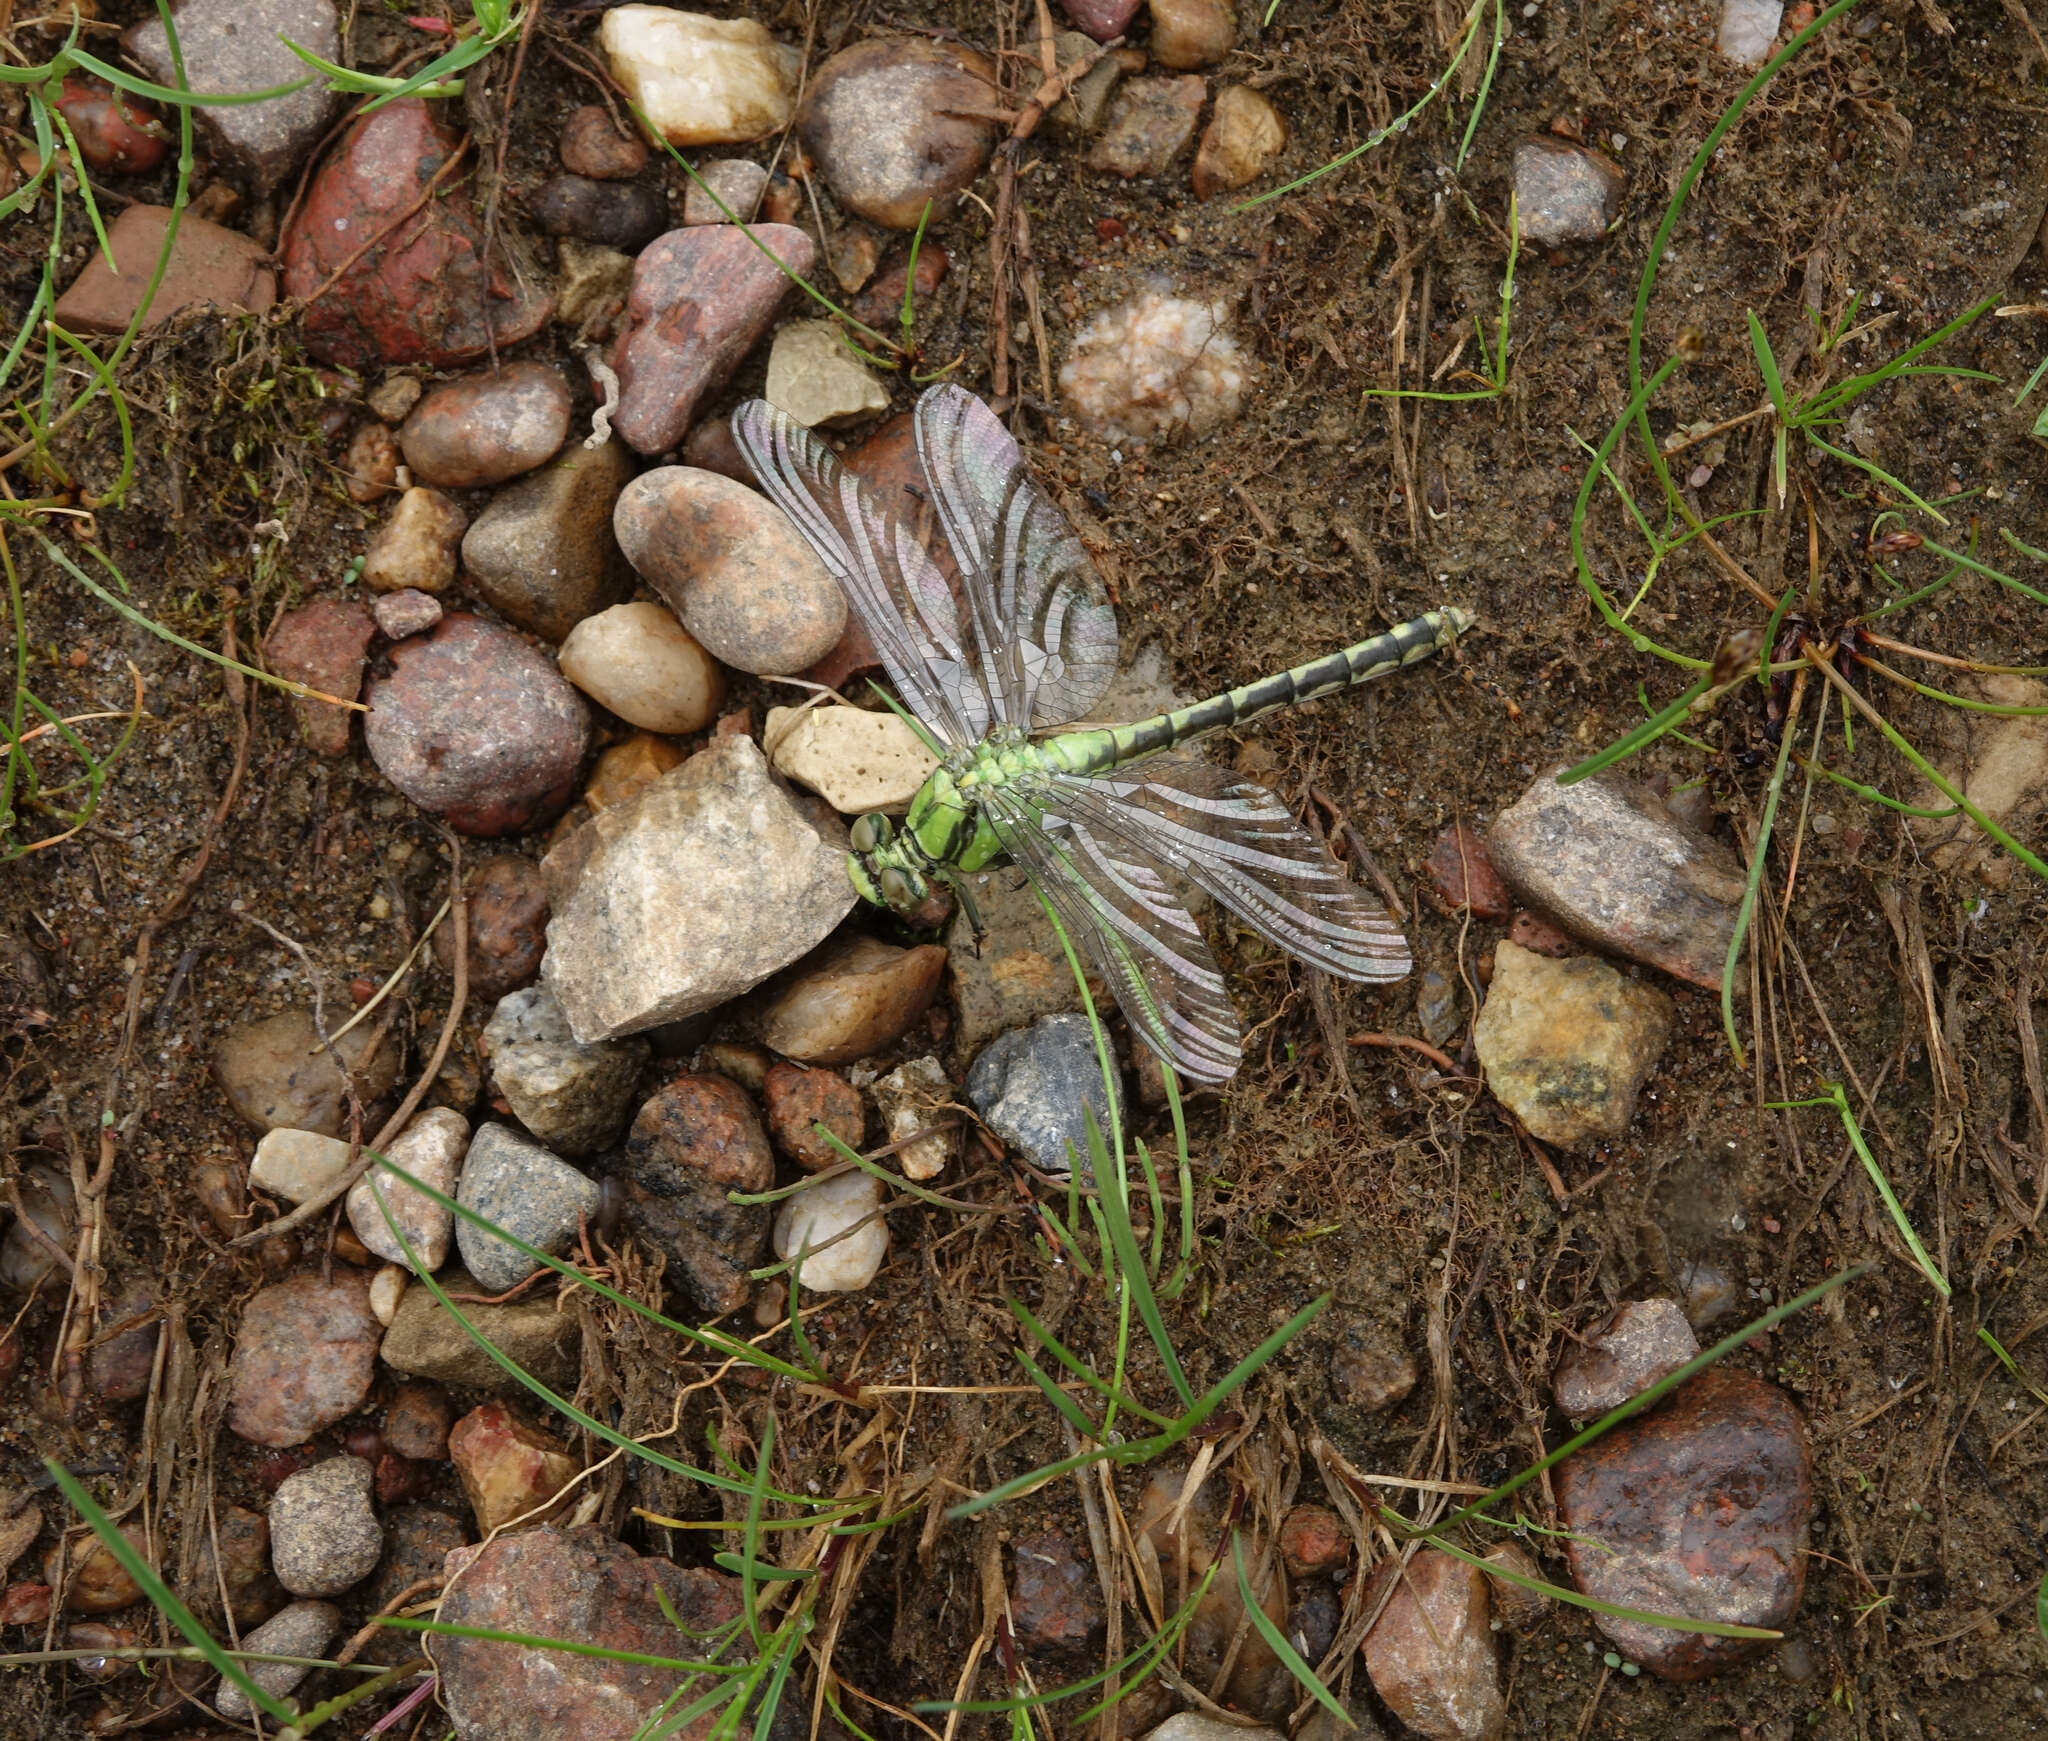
(324, 1533)
(430, 1148)
(520, 1187)
(1567, 1045)
(1151, 122)
(1030, 1085)
(738, 181)
(1079, 112)
(302, 1629)
(426, 1341)
(1199, 1726)
(1641, 1342)
(29, 1257)
(542, 554)
(573, 1097)
(696, 890)
(229, 45)
(1565, 192)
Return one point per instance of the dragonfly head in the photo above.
(880, 869)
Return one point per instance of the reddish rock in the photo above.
(403, 614)
(592, 145)
(419, 295)
(86, 1577)
(25, 1605)
(1539, 936)
(1698, 1508)
(416, 1422)
(1055, 1596)
(508, 1468)
(1464, 876)
(485, 428)
(208, 265)
(473, 724)
(370, 472)
(322, 644)
(693, 1142)
(1105, 20)
(1370, 1368)
(120, 1362)
(1431, 1653)
(702, 299)
(508, 926)
(114, 131)
(1313, 1539)
(1641, 1342)
(577, 1585)
(797, 1099)
(303, 1359)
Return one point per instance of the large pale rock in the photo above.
(855, 760)
(1154, 366)
(1566, 1045)
(702, 80)
(707, 883)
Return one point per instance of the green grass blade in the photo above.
(1643, 736)
(1767, 362)
(1276, 1640)
(1880, 474)
(1068, 1409)
(1758, 859)
(1130, 1261)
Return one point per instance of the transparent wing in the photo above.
(1115, 901)
(1042, 620)
(1235, 840)
(885, 571)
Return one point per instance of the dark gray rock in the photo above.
(1031, 1084)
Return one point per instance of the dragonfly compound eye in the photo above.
(870, 834)
(899, 891)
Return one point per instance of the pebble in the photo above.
(825, 1211)
(297, 1164)
(1431, 1655)
(1640, 1342)
(583, 1586)
(25, 1604)
(118, 1366)
(301, 1629)
(1313, 1617)
(417, 1542)
(1199, 1726)
(1055, 1595)
(851, 999)
(1565, 192)
(1025, 1085)
(1567, 1045)
(322, 644)
(426, 1341)
(702, 887)
(1080, 111)
(474, 725)
(701, 80)
(370, 469)
(508, 1467)
(1464, 876)
(638, 662)
(1749, 30)
(1539, 936)
(746, 1064)
(1518, 1608)
(1104, 20)
(1313, 1540)
(591, 293)
(695, 1141)
(881, 304)
(85, 1578)
(1149, 125)
(394, 396)
(1709, 1294)
(628, 769)
(324, 1534)
(1154, 366)
(625, 215)
(1436, 1006)
(242, 1565)
(525, 1191)
(1188, 35)
(430, 1148)
(738, 181)
(304, 1357)
(1606, 859)
(542, 553)
(276, 1073)
(508, 926)
(797, 1099)
(1371, 1368)
(817, 380)
(732, 567)
(405, 613)
(485, 428)
(1244, 134)
(574, 1097)
(26, 1260)
(893, 125)
(415, 550)
(702, 299)
(420, 294)
(387, 1289)
(114, 132)
(416, 1422)
(1697, 1508)
(917, 1098)
(592, 145)
(262, 142)
(857, 761)
(209, 266)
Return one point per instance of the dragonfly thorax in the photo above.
(942, 833)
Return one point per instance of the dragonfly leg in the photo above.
(965, 896)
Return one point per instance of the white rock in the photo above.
(1155, 366)
(297, 1164)
(916, 1097)
(855, 760)
(699, 80)
(637, 660)
(817, 380)
(1749, 28)
(387, 1288)
(736, 180)
(430, 1148)
(824, 1210)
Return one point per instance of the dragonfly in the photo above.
(1102, 820)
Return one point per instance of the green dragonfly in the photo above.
(1101, 829)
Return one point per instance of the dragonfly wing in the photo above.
(888, 576)
(1235, 840)
(1043, 621)
(1115, 900)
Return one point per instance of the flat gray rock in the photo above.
(1031, 1084)
(521, 1187)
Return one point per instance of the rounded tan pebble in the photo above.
(91, 1579)
(1188, 35)
(592, 145)
(639, 662)
(394, 396)
(370, 472)
(849, 999)
(485, 428)
(625, 770)
(415, 550)
(1244, 134)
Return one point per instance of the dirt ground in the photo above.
(1903, 156)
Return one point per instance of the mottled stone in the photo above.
(1055, 1595)
(857, 761)
(839, 1222)
(241, 1566)
(1080, 111)
(1699, 1508)
(276, 1073)
(1313, 1540)
(304, 1357)
(209, 265)
(694, 1142)
(324, 1534)
(1015, 971)
(1641, 1342)
(542, 553)
(426, 1341)
(1371, 1368)
(414, 551)
(116, 134)
(85, 1578)
(430, 1148)
(1565, 192)
(592, 145)
(894, 124)
(322, 644)
(370, 470)
(572, 1096)
(1031, 1084)
(120, 1362)
(701, 80)
(1567, 1045)
(485, 428)
(416, 1422)
(1155, 367)
(738, 181)
(508, 919)
(394, 396)
(1188, 35)
(303, 1629)
(1464, 876)
(854, 997)
(637, 661)
(1244, 134)
(1150, 123)
(1431, 1653)
(628, 769)
(509, 1468)
(798, 1099)
(919, 1112)
(405, 613)
(590, 295)
(625, 215)
(522, 1189)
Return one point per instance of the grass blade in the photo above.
(1276, 1640)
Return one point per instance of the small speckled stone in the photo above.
(916, 1102)
(520, 1187)
(1565, 192)
(324, 1534)
(485, 428)
(738, 181)
(304, 1356)
(1640, 1343)
(302, 1629)
(406, 612)
(894, 124)
(430, 1148)
(1030, 1085)
(574, 1097)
